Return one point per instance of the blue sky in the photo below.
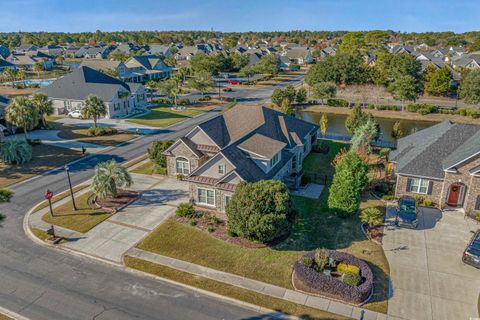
(239, 15)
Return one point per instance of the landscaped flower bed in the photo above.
(334, 275)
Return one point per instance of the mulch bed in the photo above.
(123, 198)
(218, 229)
(374, 233)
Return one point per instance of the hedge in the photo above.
(337, 103)
(311, 281)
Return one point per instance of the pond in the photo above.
(40, 83)
(336, 124)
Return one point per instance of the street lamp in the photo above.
(71, 190)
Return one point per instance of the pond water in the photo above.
(336, 124)
(40, 83)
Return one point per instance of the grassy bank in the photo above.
(401, 115)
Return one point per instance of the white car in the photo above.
(75, 114)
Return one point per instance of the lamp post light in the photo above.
(71, 190)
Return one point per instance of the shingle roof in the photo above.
(261, 145)
(101, 64)
(82, 82)
(430, 151)
(4, 100)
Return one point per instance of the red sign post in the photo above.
(49, 196)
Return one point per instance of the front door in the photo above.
(454, 195)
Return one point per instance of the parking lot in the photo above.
(428, 278)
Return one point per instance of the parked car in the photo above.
(471, 255)
(233, 81)
(75, 114)
(227, 89)
(407, 213)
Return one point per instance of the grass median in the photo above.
(164, 115)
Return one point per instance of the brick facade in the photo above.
(439, 190)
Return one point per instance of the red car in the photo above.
(233, 81)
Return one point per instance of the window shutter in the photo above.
(477, 204)
(409, 184)
(430, 187)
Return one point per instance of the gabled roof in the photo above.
(148, 62)
(429, 152)
(101, 64)
(82, 82)
(262, 146)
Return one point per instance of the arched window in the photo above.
(183, 166)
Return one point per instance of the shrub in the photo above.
(388, 197)
(5, 195)
(462, 111)
(351, 279)
(348, 268)
(321, 259)
(15, 151)
(185, 210)
(155, 152)
(475, 114)
(214, 220)
(477, 216)
(427, 202)
(183, 101)
(337, 103)
(160, 170)
(419, 200)
(306, 261)
(192, 223)
(205, 98)
(162, 100)
(371, 216)
(305, 180)
(309, 280)
(210, 229)
(100, 131)
(260, 211)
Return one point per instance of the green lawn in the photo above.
(146, 168)
(314, 227)
(163, 115)
(81, 220)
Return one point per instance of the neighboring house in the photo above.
(246, 143)
(127, 48)
(144, 68)
(25, 48)
(4, 51)
(29, 59)
(69, 92)
(299, 55)
(253, 58)
(402, 49)
(159, 49)
(4, 64)
(104, 65)
(328, 51)
(187, 52)
(51, 50)
(97, 52)
(469, 61)
(441, 163)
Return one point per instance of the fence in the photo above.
(346, 137)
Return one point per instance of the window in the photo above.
(477, 203)
(182, 165)
(221, 169)
(206, 196)
(227, 200)
(275, 160)
(418, 185)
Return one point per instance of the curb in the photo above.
(12, 314)
(32, 237)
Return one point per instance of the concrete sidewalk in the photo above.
(260, 287)
(51, 137)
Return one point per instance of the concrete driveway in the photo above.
(116, 235)
(428, 279)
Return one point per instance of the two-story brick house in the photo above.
(246, 143)
(441, 163)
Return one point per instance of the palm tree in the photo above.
(10, 75)
(43, 105)
(151, 86)
(94, 108)
(21, 75)
(21, 112)
(201, 81)
(109, 176)
(170, 88)
(38, 67)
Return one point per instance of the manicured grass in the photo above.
(315, 227)
(45, 157)
(4, 317)
(40, 234)
(187, 243)
(81, 220)
(229, 290)
(164, 115)
(146, 168)
(80, 134)
(59, 197)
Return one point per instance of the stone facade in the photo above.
(220, 201)
(181, 150)
(439, 190)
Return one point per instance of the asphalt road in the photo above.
(43, 283)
